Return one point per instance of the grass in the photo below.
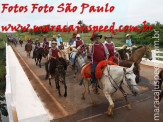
(119, 38)
(2, 62)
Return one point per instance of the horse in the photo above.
(57, 68)
(160, 84)
(15, 42)
(81, 59)
(28, 49)
(137, 55)
(21, 42)
(112, 79)
(39, 53)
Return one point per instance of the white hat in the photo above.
(127, 35)
(54, 42)
(78, 35)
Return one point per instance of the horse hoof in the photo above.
(129, 107)
(83, 98)
(110, 112)
(93, 103)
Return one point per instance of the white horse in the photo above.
(112, 79)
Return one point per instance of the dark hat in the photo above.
(95, 35)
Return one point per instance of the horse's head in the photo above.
(60, 70)
(129, 79)
(42, 51)
(148, 52)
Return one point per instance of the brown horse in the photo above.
(20, 42)
(28, 49)
(15, 42)
(138, 54)
(160, 83)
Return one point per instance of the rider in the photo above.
(71, 41)
(28, 41)
(60, 41)
(45, 42)
(98, 52)
(128, 40)
(37, 45)
(78, 43)
(54, 50)
(110, 45)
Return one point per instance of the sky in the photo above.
(126, 12)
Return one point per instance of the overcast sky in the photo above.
(126, 12)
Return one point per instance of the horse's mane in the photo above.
(62, 61)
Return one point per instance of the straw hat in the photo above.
(54, 42)
(128, 35)
(54, 36)
(59, 34)
(108, 36)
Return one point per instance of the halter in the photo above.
(119, 86)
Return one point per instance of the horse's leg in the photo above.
(40, 61)
(88, 91)
(111, 106)
(127, 103)
(58, 88)
(50, 79)
(83, 93)
(65, 95)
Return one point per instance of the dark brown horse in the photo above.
(21, 42)
(15, 41)
(38, 55)
(28, 49)
(57, 68)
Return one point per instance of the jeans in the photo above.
(93, 69)
(73, 58)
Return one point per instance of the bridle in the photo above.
(116, 86)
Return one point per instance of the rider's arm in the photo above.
(106, 52)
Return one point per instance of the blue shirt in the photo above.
(59, 39)
(128, 42)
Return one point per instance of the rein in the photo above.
(118, 86)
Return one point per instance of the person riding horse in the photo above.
(98, 52)
(60, 41)
(71, 41)
(110, 45)
(45, 42)
(28, 41)
(128, 40)
(37, 45)
(78, 43)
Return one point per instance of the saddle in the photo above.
(86, 71)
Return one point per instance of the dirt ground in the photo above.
(73, 108)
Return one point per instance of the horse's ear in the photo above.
(150, 45)
(124, 69)
(132, 66)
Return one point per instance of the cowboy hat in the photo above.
(54, 36)
(54, 42)
(59, 34)
(95, 35)
(108, 36)
(128, 35)
(78, 35)
(37, 39)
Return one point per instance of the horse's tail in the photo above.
(46, 68)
